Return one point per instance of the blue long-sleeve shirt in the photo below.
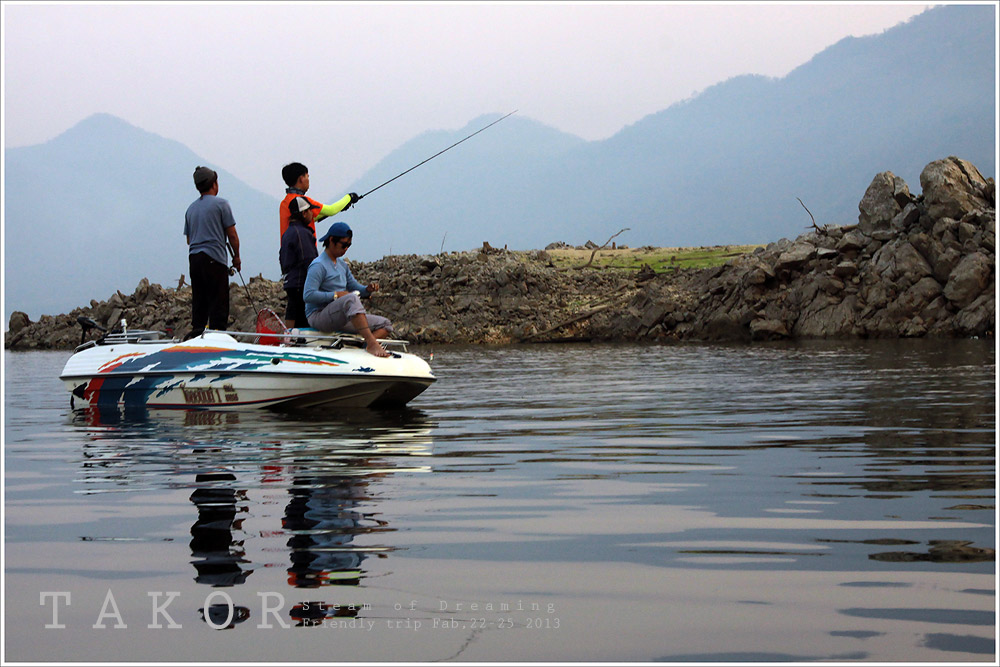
(324, 279)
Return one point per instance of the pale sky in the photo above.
(252, 86)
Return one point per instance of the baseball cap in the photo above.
(299, 205)
(338, 230)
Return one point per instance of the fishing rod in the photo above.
(232, 270)
(436, 154)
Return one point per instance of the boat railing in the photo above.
(295, 338)
(292, 338)
(136, 336)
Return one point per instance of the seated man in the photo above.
(330, 293)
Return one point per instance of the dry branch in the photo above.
(592, 254)
(601, 307)
(815, 226)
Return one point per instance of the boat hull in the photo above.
(217, 372)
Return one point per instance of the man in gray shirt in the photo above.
(208, 225)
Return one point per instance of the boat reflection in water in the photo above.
(240, 465)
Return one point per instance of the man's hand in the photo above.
(237, 264)
(373, 287)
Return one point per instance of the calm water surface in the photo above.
(792, 502)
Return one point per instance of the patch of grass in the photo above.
(661, 259)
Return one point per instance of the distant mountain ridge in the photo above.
(724, 166)
(101, 206)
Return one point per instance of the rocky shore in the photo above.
(913, 266)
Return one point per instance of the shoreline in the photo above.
(912, 266)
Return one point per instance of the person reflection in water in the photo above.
(219, 556)
(322, 519)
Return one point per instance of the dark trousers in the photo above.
(209, 293)
(295, 311)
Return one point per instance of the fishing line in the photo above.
(360, 197)
(436, 154)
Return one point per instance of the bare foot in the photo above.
(376, 348)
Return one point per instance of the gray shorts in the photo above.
(338, 313)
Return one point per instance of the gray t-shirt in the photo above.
(205, 225)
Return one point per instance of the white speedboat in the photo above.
(301, 369)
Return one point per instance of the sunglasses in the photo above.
(344, 244)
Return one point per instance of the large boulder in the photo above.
(978, 317)
(795, 257)
(913, 301)
(953, 188)
(762, 329)
(900, 260)
(968, 280)
(884, 199)
(829, 320)
(851, 242)
(18, 321)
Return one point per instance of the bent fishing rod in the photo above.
(233, 269)
(360, 197)
(436, 154)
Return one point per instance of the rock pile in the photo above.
(912, 266)
(486, 296)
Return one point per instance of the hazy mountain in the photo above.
(484, 189)
(725, 166)
(101, 206)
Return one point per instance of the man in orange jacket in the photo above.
(296, 177)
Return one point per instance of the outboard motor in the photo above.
(86, 324)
